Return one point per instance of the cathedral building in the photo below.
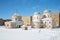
(47, 19)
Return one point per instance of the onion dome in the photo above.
(36, 13)
(46, 11)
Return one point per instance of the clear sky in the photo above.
(27, 7)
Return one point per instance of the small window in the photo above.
(41, 22)
(15, 18)
(44, 16)
(34, 17)
(49, 26)
(45, 22)
(26, 28)
(48, 16)
(49, 22)
(7, 24)
(37, 17)
(19, 20)
(19, 26)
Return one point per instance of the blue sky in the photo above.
(27, 7)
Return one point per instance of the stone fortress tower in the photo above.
(56, 18)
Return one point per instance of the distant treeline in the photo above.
(2, 21)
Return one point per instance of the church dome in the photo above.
(16, 17)
(36, 13)
(16, 14)
(46, 11)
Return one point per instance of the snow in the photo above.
(32, 34)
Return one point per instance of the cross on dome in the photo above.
(16, 13)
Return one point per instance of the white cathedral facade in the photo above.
(45, 20)
(38, 21)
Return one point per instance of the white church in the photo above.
(15, 23)
(45, 20)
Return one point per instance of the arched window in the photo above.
(44, 16)
(37, 17)
(15, 18)
(7, 24)
(19, 26)
(41, 22)
(26, 28)
(45, 22)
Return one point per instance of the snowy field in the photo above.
(32, 34)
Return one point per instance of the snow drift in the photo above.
(33, 34)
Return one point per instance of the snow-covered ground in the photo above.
(32, 34)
